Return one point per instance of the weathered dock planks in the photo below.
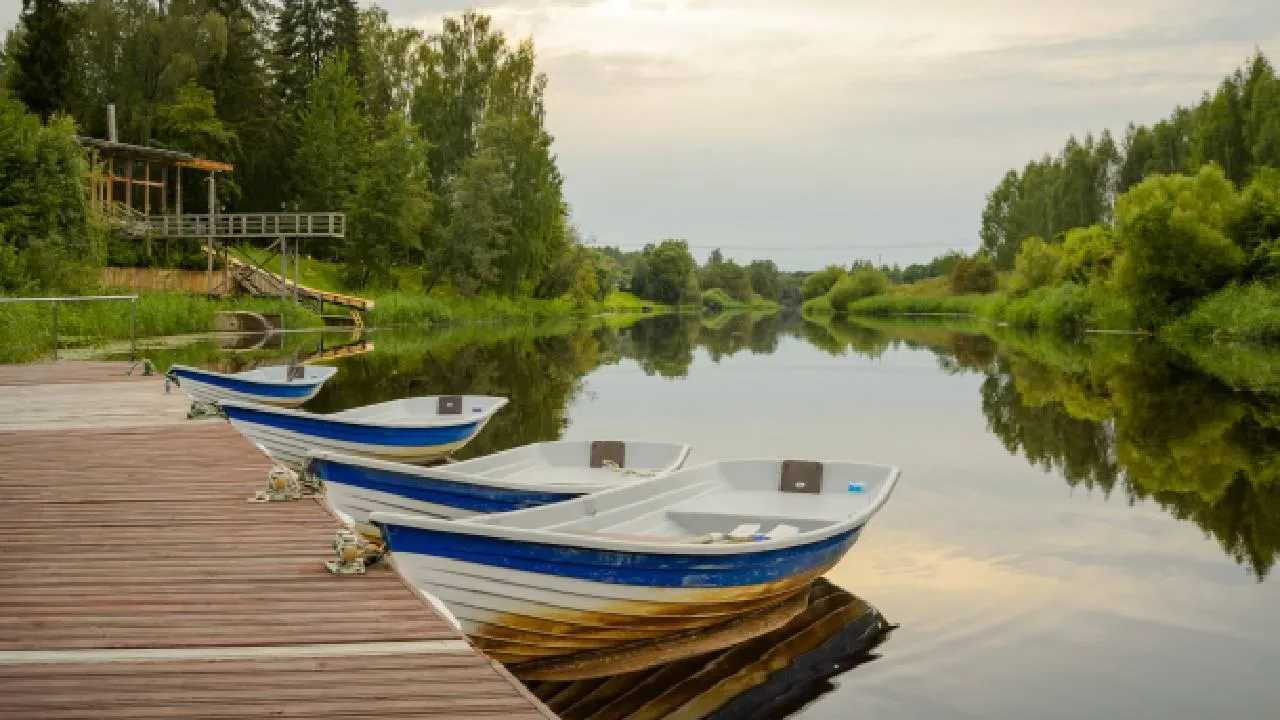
(137, 581)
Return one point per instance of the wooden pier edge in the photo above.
(137, 581)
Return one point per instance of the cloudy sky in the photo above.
(816, 131)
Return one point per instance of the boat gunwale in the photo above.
(448, 473)
(243, 376)
(477, 526)
(441, 421)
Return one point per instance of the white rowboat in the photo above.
(522, 477)
(284, 385)
(686, 550)
(413, 429)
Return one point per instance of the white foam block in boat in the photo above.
(743, 531)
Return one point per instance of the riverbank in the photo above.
(1237, 312)
(26, 329)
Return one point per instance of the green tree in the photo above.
(1174, 249)
(1087, 255)
(821, 282)
(309, 33)
(44, 222)
(974, 275)
(192, 124)
(1036, 265)
(333, 142)
(391, 207)
(864, 282)
(667, 273)
(467, 249)
(42, 71)
(391, 71)
(765, 279)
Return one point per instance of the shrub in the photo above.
(1035, 265)
(866, 282)
(974, 275)
(821, 282)
(1171, 230)
(1087, 255)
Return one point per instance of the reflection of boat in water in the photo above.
(768, 675)
(694, 549)
(416, 429)
(521, 477)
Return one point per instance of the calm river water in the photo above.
(1082, 529)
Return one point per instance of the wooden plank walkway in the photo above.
(136, 580)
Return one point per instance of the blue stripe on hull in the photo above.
(411, 437)
(449, 493)
(646, 569)
(248, 387)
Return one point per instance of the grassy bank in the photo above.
(26, 329)
(401, 309)
(1238, 312)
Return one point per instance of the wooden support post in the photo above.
(178, 195)
(128, 183)
(164, 189)
(146, 179)
(296, 262)
(111, 180)
(213, 196)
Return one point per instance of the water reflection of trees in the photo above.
(1139, 417)
(539, 371)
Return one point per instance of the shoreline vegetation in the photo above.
(433, 144)
(1173, 231)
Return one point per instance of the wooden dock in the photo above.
(137, 581)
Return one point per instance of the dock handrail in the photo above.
(53, 302)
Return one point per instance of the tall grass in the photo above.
(26, 329)
(405, 309)
(885, 305)
(1245, 312)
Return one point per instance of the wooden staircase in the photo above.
(261, 282)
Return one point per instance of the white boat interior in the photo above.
(277, 374)
(412, 412)
(702, 508)
(569, 464)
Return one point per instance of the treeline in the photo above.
(667, 273)
(1177, 226)
(1236, 128)
(433, 144)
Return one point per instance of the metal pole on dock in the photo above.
(296, 262)
(284, 274)
(55, 329)
(133, 329)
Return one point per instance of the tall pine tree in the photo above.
(308, 32)
(41, 71)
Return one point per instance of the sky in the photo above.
(821, 131)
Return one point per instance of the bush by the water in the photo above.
(974, 275)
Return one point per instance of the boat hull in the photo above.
(354, 491)
(211, 387)
(522, 602)
(289, 438)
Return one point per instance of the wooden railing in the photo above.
(247, 225)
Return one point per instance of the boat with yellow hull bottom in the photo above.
(693, 549)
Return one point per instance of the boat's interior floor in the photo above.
(536, 468)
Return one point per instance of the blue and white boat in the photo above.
(666, 555)
(412, 429)
(284, 385)
(522, 477)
